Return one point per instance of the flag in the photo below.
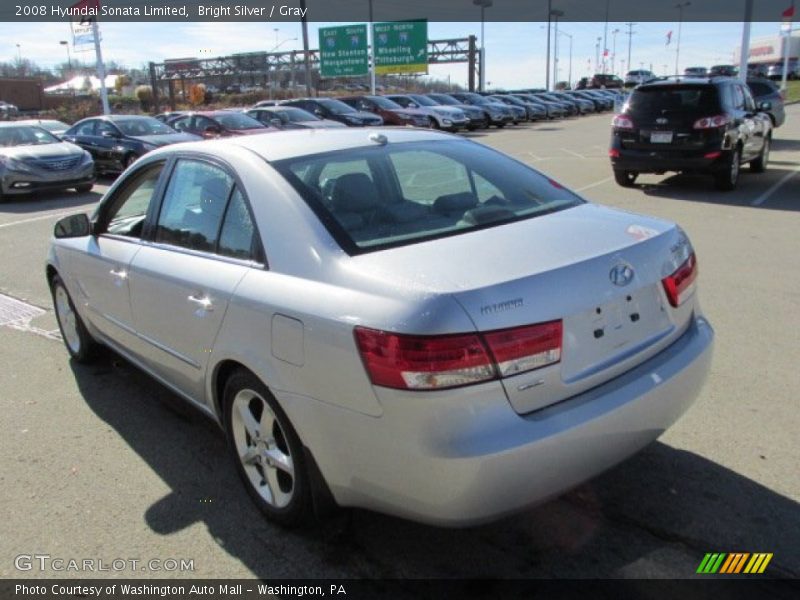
(669, 37)
(605, 53)
(789, 12)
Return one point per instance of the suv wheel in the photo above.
(625, 178)
(759, 165)
(726, 178)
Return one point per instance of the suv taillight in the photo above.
(679, 284)
(712, 122)
(621, 122)
(416, 362)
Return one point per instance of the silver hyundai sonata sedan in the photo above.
(399, 320)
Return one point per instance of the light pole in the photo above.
(484, 4)
(680, 6)
(19, 53)
(569, 73)
(613, 50)
(69, 56)
(547, 60)
(555, 13)
(597, 55)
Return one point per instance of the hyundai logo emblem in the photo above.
(621, 275)
(662, 121)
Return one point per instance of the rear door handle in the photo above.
(203, 302)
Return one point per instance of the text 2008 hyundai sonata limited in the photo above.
(398, 320)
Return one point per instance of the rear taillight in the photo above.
(679, 285)
(445, 361)
(621, 122)
(712, 122)
(525, 348)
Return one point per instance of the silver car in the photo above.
(394, 319)
(33, 159)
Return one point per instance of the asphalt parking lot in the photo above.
(101, 462)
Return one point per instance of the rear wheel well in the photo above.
(50, 272)
(223, 371)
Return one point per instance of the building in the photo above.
(769, 49)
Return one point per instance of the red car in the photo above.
(219, 123)
(392, 112)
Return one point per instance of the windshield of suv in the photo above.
(337, 107)
(444, 99)
(143, 126)
(663, 99)
(26, 135)
(422, 100)
(384, 102)
(378, 197)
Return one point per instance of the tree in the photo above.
(197, 94)
(121, 82)
(144, 93)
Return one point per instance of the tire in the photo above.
(501, 125)
(759, 165)
(80, 345)
(625, 178)
(271, 463)
(83, 189)
(433, 123)
(726, 178)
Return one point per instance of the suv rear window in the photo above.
(378, 197)
(761, 88)
(674, 99)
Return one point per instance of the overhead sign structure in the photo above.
(343, 51)
(401, 47)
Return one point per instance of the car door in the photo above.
(759, 121)
(101, 266)
(109, 144)
(181, 281)
(746, 122)
(83, 135)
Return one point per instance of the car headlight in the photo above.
(86, 157)
(354, 120)
(447, 121)
(406, 117)
(12, 164)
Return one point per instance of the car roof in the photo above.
(288, 144)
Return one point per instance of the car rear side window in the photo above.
(193, 206)
(374, 198)
(238, 231)
(760, 88)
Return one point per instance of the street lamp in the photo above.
(19, 53)
(69, 57)
(562, 32)
(613, 50)
(484, 4)
(597, 55)
(680, 6)
(555, 13)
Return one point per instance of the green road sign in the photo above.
(401, 47)
(343, 51)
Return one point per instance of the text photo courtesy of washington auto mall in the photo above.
(400, 299)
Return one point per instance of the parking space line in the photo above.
(32, 219)
(571, 152)
(775, 187)
(593, 185)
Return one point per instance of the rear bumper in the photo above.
(462, 457)
(646, 161)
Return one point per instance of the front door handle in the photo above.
(119, 273)
(203, 302)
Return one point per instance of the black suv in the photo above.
(709, 125)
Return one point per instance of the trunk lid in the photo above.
(559, 266)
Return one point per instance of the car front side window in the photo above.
(128, 208)
(194, 204)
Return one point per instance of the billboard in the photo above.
(401, 47)
(343, 51)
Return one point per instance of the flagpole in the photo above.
(745, 51)
(101, 68)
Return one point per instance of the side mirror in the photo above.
(276, 123)
(73, 226)
(765, 106)
(318, 112)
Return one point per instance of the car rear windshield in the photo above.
(337, 107)
(389, 195)
(444, 99)
(674, 99)
(143, 126)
